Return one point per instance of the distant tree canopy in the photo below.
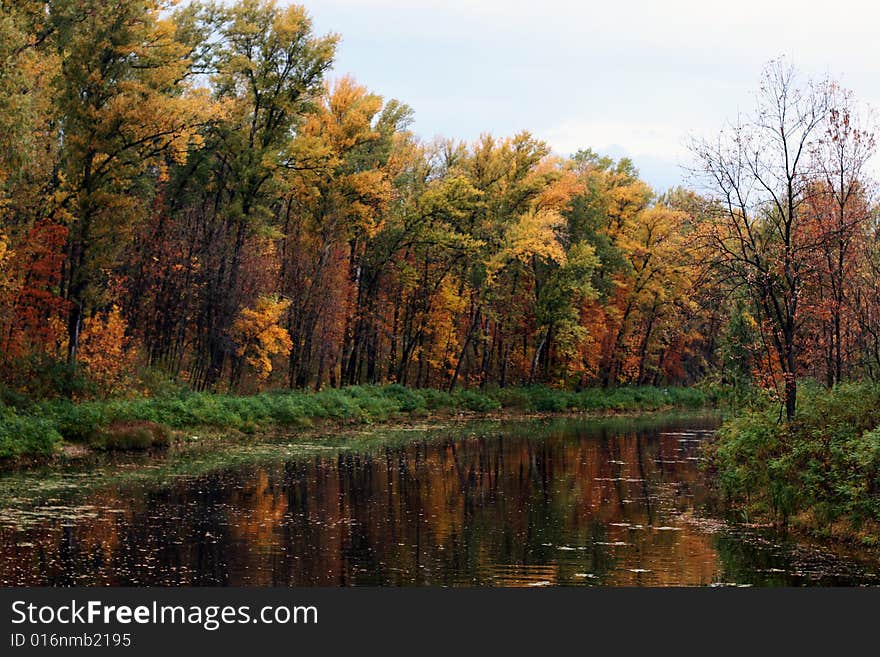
(187, 192)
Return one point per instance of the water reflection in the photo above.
(532, 503)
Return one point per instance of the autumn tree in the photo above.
(839, 212)
(106, 352)
(259, 336)
(609, 196)
(265, 68)
(759, 170)
(123, 116)
(508, 226)
(428, 229)
(32, 235)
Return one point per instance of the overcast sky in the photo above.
(622, 77)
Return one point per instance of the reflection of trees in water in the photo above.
(517, 506)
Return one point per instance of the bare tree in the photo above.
(760, 171)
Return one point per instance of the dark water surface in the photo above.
(518, 503)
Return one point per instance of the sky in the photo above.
(634, 78)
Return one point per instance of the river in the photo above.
(535, 502)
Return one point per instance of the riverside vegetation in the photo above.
(819, 472)
(40, 429)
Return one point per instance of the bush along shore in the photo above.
(38, 431)
(819, 473)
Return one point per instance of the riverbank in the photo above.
(819, 474)
(43, 430)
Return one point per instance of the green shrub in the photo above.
(545, 399)
(518, 398)
(436, 399)
(338, 405)
(475, 401)
(825, 463)
(406, 399)
(75, 422)
(26, 435)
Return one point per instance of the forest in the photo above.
(193, 198)
(191, 194)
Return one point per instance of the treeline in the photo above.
(189, 194)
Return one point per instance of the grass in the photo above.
(821, 472)
(38, 429)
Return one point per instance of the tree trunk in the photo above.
(537, 356)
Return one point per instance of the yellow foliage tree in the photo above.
(104, 350)
(258, 336)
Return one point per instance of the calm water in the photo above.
(527, 503)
